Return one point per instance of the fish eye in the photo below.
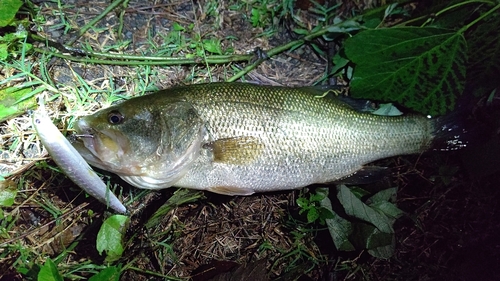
(115, 117)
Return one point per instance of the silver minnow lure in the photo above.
(71, 162)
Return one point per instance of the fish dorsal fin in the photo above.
(237, 150)
(337, 93)
(231, 190)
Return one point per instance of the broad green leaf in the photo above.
(420, 68)
(382, 252)
(8, 191)
(353, 206)
(8, 10)
(325, 213)
(367, 236)
(379, 239)
(381, 245)
(109, 238)
(358, 191)
(388, 209)
(111, 273)
(387, 109)
(49, 272)
(10, 105)
(385, 195)
(339, 228)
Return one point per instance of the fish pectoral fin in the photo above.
(237, 150)
(231, 190)
(365, 175)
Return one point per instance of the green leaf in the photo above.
(325, 213)
(383, 252)
(177, 27)
(385, 195)
(316, 197)
(353, 206)
(8, 192)
(8, 10)
(359, 192)
(388, 209)
(49, 272)
(302, 202)
(212, 46)
(10, 105)
(4, 51)
(379, 239)
(420, 68)
(387, 109)
(339, 228)
(256, 15)
(312, 215)
(381, 245)
(318, 50)
(110, 237)
(111, 273)
(345, 26)
(301, 31)
(339, 62)
(366, 236)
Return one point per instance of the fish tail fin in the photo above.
(451, 132)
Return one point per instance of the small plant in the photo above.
(312, 208)
(266, 14)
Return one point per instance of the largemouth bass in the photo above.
(238, 139)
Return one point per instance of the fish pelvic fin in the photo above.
(365, 175)
(451, 132)
(231, 190)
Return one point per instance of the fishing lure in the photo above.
(71, 162)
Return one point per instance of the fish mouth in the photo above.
(104, 149)
(85, 140)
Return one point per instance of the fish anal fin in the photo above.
(237, 150)
(231, 190)
(365, 175)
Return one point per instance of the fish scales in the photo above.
(307, 139)
(236, 138)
